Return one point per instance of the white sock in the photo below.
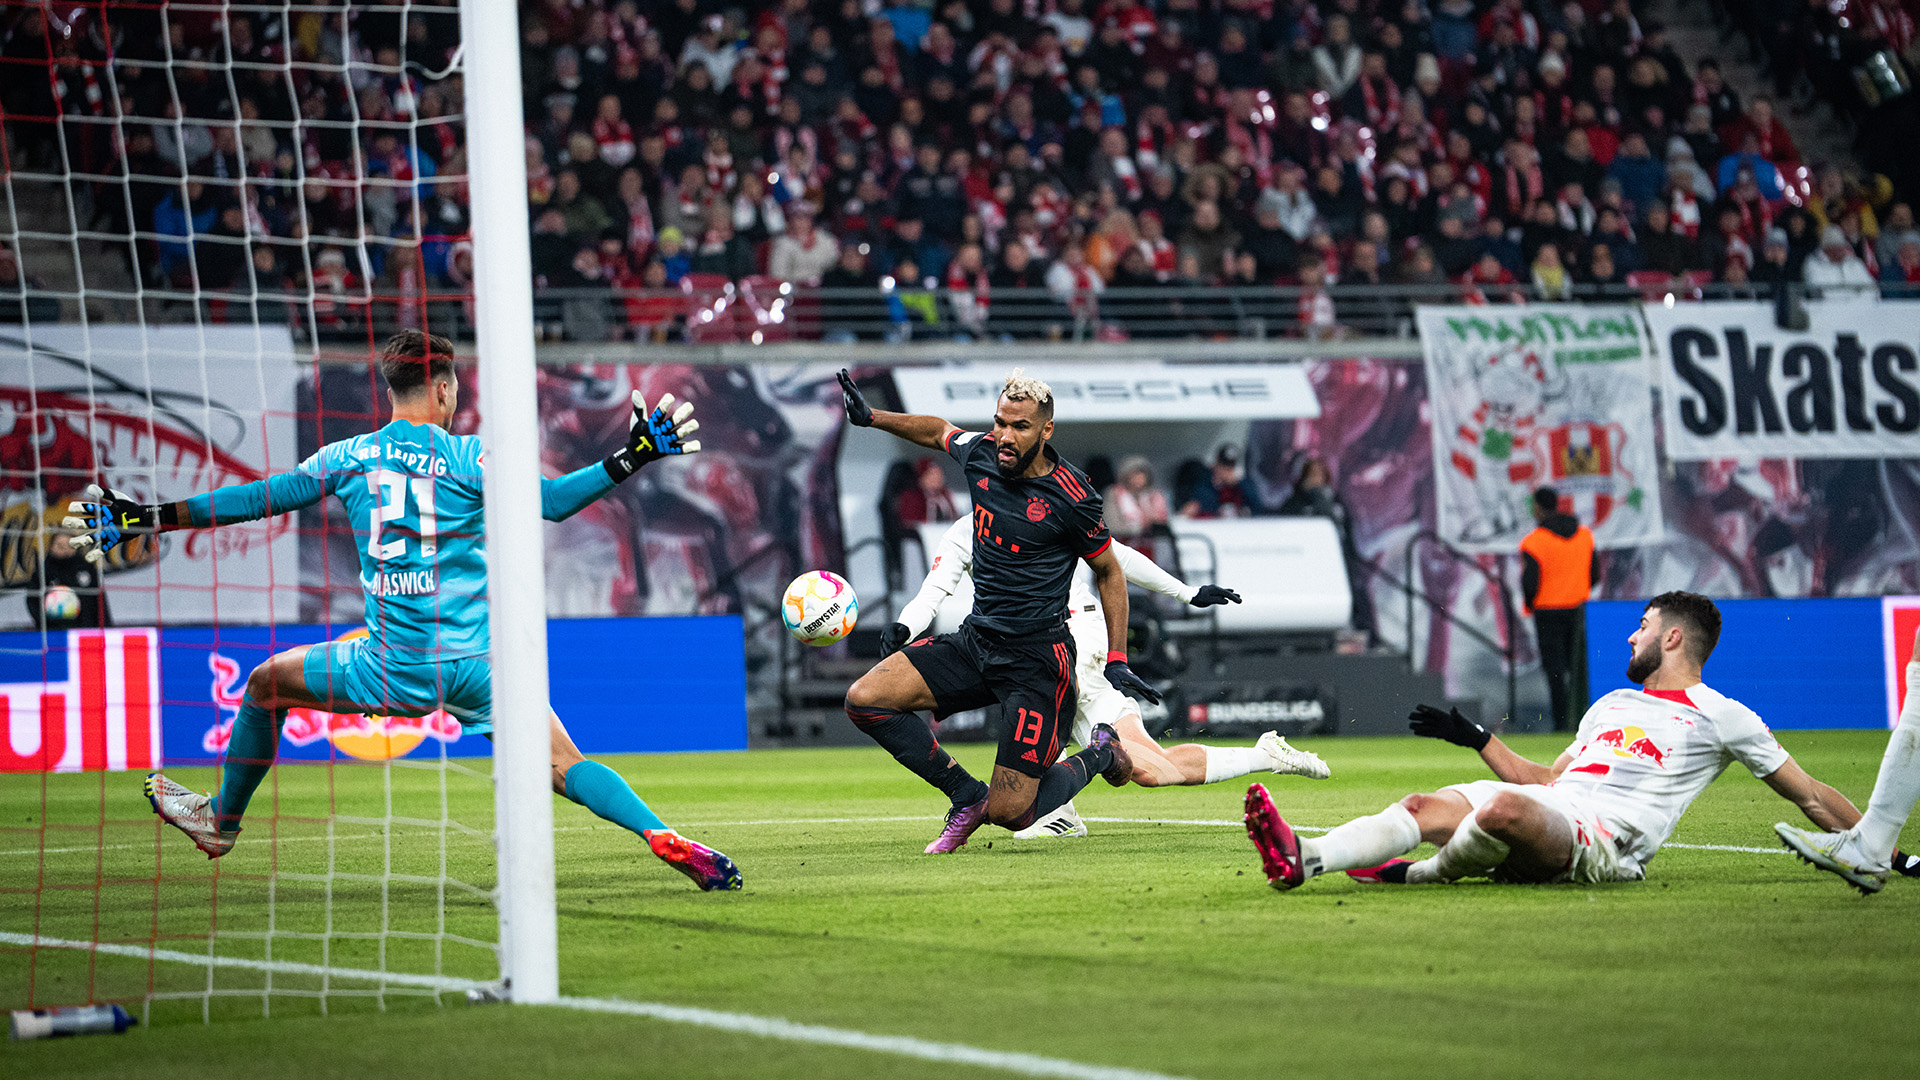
(1367, 841)
(1898, 785)
(1228, 762)
(1471, 851)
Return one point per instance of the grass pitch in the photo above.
(1147, 945)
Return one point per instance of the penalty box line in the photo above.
(770, 1027)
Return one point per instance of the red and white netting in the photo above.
(212, 215)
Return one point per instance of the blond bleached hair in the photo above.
(1024, 387)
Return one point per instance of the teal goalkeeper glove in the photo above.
(654, 435)
(106, 518)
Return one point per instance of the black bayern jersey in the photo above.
(1027, 536)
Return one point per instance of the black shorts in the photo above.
(1030, 677)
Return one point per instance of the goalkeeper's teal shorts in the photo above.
(352, 673)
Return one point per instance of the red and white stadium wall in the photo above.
(1818, 663)
(142, 697)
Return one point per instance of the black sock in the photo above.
(907, 737)
(1062, 781)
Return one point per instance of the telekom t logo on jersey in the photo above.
(104, 715)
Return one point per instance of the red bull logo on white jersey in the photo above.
(1632, 742)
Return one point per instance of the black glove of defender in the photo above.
(859, 413)
(1209, 595)
(654, 435)
(1125, 681)
(893, 639)
(1451, 726)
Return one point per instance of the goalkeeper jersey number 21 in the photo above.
(413, 495)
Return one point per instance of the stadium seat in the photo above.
(1289, 572)
(709, 310)
(1650, 284)
(764, 307)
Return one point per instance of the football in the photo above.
(819, 608)
(60, 604)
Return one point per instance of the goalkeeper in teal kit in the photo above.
(413, 492)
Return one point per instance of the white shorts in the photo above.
(1596, 855)
(1099, 702)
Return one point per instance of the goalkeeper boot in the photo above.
(191, 812)
(1836, 853)
(1064, 821)
(1291, 762)
(708, 868)
(961, 823)
(1271, 835)
(1121, 769)
(1391, 872)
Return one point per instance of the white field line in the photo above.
(905, 1046)
(1231, 822)
(771, 1027)
(278, 967)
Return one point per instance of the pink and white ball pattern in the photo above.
(819, 608)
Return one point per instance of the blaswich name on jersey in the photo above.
(404, 583)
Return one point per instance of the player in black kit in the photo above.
(1034, 517)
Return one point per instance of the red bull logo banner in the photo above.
(1543, 395)
(160, 413)
(134, 699)
(359, 735)
(1900, 623)
(94, 705)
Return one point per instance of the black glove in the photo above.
(893, 639)
(1125, 681)
(105, 519)
(1904, 864)
(1451, 726)
(859, 413)
(1209, 595)
(654, 435)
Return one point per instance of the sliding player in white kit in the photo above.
(1100, 703)
(1598, 813)
(1864, 854)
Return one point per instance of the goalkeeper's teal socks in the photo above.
(607, 794)
(250, 749)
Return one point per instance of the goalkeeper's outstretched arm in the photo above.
(105, 518)
(650, 437)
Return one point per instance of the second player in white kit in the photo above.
(1099, 702)
(1599, 813)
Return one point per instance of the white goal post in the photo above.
(516, 567)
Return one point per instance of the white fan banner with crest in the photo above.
(1541, 395)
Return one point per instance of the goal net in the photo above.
(213, 216)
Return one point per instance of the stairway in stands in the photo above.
(38, 217)
(1820, 132)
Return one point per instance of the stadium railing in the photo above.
(758, 311)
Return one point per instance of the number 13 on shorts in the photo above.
(1027, 726)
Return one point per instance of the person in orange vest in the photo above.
(1558, 571)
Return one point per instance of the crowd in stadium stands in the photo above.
(956, 151)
